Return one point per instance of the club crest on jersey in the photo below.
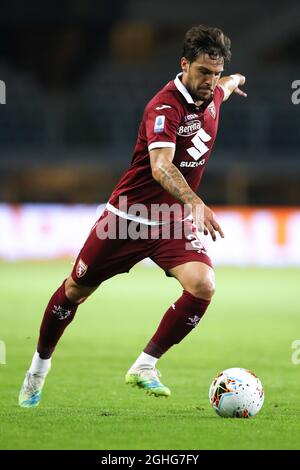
(81, 268)
(212, 109)
(159, 123)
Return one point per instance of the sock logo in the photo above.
(194, 321)
(62, 313)
(81, 268)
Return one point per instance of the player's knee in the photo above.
(201, 288)
(77, 293)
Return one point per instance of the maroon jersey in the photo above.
(170, 119)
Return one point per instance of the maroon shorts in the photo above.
(103, 256)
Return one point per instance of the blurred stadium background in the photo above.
(78, 74)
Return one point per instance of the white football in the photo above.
(236, 393)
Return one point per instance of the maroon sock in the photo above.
(177, 322)
(59, 313)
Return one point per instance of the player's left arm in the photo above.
(231, 85)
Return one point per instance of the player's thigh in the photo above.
(105, 253)
(195, 277)
(185, 258)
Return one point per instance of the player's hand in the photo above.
(205, 221)
(242, 80)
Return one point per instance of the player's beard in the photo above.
(198, 93)
(201, 93)
(204, 94)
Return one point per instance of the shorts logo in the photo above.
(212, 110)
(81, 268)
(159, 124)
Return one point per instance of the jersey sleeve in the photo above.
(219, 95)
(162, 121)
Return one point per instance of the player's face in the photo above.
(201, 76)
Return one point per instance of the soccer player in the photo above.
(174, 143)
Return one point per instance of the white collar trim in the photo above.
(180, 87)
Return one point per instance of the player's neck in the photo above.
(198, 103)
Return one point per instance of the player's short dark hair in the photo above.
(206, 40)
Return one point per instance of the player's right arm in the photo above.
(172, 180)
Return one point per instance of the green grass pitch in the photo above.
(251, 323)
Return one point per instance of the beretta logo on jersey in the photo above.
(189, 129)
(159, 123)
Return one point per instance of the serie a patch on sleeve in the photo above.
(159, 123)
